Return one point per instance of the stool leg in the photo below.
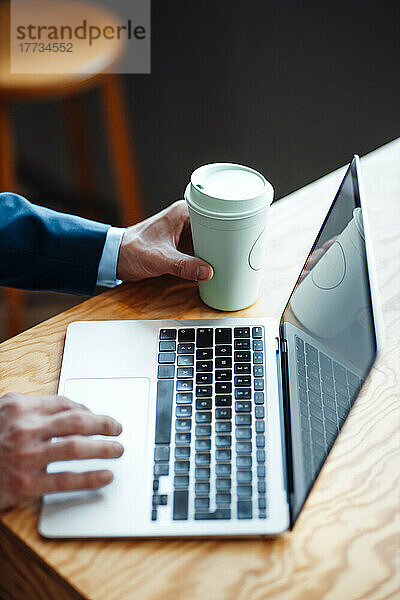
(121, 153)
(78, 139)
(14, 298)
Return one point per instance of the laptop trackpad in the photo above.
(112, 510)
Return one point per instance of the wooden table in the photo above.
(346, 542)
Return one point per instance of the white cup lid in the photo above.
(228, 190)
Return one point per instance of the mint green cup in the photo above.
(228, 206)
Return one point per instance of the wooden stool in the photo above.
(67, 87)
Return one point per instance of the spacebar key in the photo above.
(165, 395)
(181, 505)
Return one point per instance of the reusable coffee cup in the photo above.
(228, 206)
(329, 299)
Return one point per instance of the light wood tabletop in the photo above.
(345, 544)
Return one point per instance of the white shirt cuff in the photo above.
(107, 271)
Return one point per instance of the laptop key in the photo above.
(183, 424)
(261, 486)
(242, 345)
(166, 357)
(261, 456)
(183, 410)
(258, 358)
(219, 514)
(202, 502)
(223, 498)
(181, 481)
(223, 427)
(241, 332)
(203, 417)
(259, 412)
(257, 345)
(258, 397)
(242, 369)
(202, 487)
(203, 430)
(186, 335)
(203, 391)
(167, 346)
(185, 360)
(203, 403)
(243, 447)
(223, 375)
(244, 491)
(223, 469)
(202, 473)
(204, 378)
(260, 441)
(202, 366)
(257, 332)
(165, 392)
(242, 393)
(223, 454)
(258, 371)
(243, 462)
(261, 471)
(182, 439)
(223, 362)
(243, 433)
(203, 445)
(161, 453)
(181, 466)
(243, 381)
(205, 354)
(182, 398)
(260, 426)
(166, 371)
(223, 400)
(167, 334)
(184, 372)
(223, 413)
(242, 356)
(182, 452)
(223, 387)
(262, 503)
(203, 459)
(223, 441)
(161, 469)
(243, 406)
(204, 338)
(180, 510)
(185, 348)
(223, 350)
(223, 335)
(243, 476)
(223, 484)
(184, 385)
(245, 509)
(243, 419)
(259, 384)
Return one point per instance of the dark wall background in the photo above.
(290, 88)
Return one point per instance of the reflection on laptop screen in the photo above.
(329, 328)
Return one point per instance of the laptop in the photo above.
(226, 422)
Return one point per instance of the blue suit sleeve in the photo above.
(41, 249)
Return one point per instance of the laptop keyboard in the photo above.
(327, 391)
(210, 424)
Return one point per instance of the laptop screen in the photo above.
(330, 338)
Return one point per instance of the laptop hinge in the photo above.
(286, 418)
